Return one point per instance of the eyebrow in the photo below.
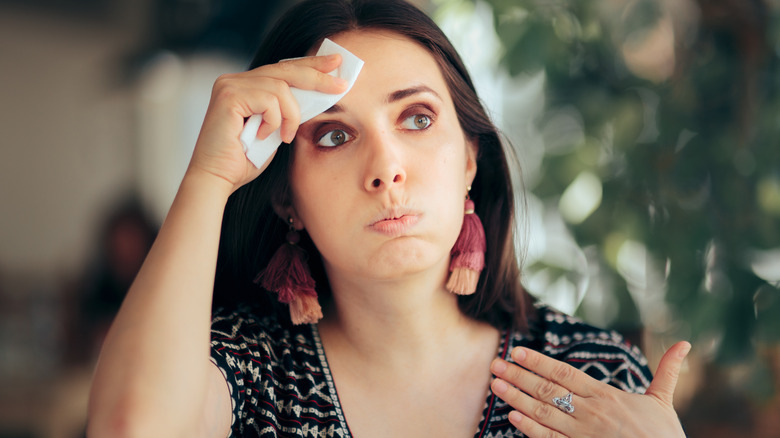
(393, 97)
(406, 92)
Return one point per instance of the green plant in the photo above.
(679, 111)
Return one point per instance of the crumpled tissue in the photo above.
(311, 103)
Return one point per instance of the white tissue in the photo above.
(311, 103)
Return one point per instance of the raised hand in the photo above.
(266, 91)
(554, 399)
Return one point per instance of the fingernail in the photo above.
(290, 134)
(499, 366)
(499, 386)
(515, 417)
(340, 81)
(518, 354)
(684, 351)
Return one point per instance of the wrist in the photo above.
(206, 183)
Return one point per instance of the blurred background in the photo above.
(645, 129)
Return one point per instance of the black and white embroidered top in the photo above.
(281, 385)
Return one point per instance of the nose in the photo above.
(384, 167)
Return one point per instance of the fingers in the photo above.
(528, 382)
(553, 399)
(668, 371)
(532, 389)
(309, 73)
(266, 90)
(535, 413)
(532, 397)
(276, 104)
(555, 371)
(530, 427)
(276, 79)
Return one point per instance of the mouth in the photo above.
(395, 221)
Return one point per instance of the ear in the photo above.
(285, 210)
(472, 152)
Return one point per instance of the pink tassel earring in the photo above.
(288, 275)
(468, 254)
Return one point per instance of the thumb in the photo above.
(662, 386)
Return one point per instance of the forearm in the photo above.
(153, 366)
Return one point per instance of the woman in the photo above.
(372, 192)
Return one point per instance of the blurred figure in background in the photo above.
(126, 236)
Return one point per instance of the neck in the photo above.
(398, 321)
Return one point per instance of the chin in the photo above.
(406, 261)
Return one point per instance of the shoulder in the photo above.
(243, 322)
(273, 371)
(603, 354)
(244, 331)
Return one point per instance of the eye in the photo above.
(417, 121)
(334, 138)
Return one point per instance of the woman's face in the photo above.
(379, 180)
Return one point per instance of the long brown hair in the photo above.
(251, 231)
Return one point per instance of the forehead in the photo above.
(392, 62)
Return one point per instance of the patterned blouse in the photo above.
(281, 385)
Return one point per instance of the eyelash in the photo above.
(330, 133)
(411, 113)
(414, 117)
(417, 110)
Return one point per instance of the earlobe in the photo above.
(291, 217)
(287, 213)
(283, 207)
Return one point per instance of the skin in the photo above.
(387, 274)
(408, 153)
(600, 410)
(384, 209)
(140, 388)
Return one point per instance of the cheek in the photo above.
(446, 170)
(318, 195)
(309, 193)
(305, 192)
(444, 181)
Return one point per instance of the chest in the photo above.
(446, 406)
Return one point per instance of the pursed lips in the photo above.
(395, 221)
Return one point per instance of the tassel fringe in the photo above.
(288, 275)
(468, 254)
(305, 309)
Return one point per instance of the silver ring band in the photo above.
(564, 403)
